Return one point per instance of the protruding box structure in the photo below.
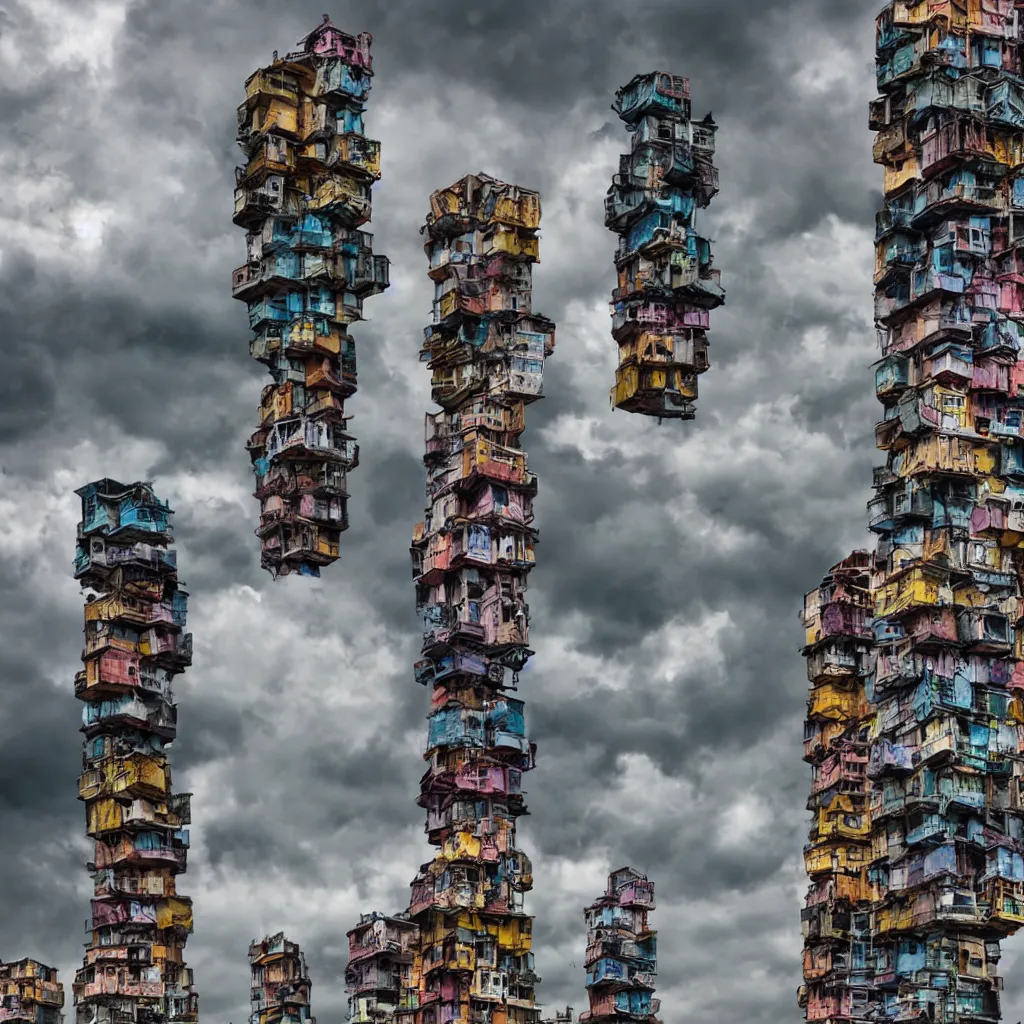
(933, 868)
(666, 284)
(281, 988)
(463, 950)
(30, 993)
(135, 644)
(303, 198)
(621, 959)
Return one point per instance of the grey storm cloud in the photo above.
(666, 694)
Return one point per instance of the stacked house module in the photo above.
(135, 644)
(666, 284)
(280, 982)
(30, 993)
(938, 878)
(462, 951)
(621, 958)
(303, 197)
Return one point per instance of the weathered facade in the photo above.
(915, 651)
(135, 644)
(303, 198)
(281, 988)
(462, 952)
(666, 284)
(30, 993)
(621, 957)
(378, 977)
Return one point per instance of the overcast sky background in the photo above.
(667, 692)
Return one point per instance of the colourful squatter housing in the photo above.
(135, 644)
(30, 993)
(281, 987)
(462, 950)
(914, 652)
(303, 198)
(621, 958)
(666, 284)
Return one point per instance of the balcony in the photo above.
(247, 281)
(253, 205)
(940, 199)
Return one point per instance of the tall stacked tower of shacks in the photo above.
(837, 922)
(135, 644)
(621, 957)
(933, 697)
(303, 197)
(462, 951)
(30, 993)
(471, 558)
(666, 284)
(281, 987)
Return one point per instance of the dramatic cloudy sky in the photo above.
(666, 695)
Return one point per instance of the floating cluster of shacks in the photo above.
(914, 652)
(303, 198)
(666, 284)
